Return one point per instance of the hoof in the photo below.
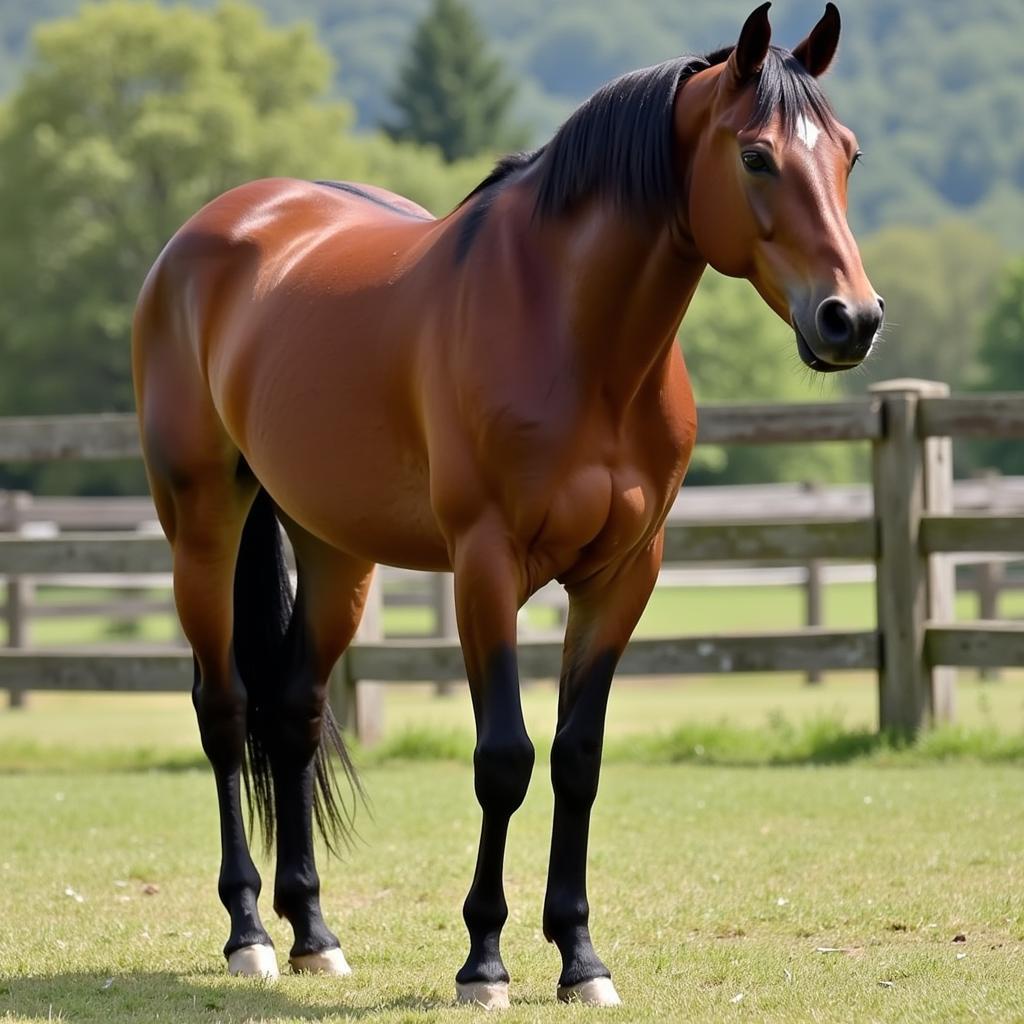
(594, 992)
(254, 962)
(491, 995)
(330, 961)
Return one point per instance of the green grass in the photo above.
(720, 720)
(745, 823)
(707, 884)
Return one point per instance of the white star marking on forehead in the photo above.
(807, 132)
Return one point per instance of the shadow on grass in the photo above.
(147, 996)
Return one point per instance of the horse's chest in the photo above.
(597, 515)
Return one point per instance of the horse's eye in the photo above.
(859, 155)
(755, 162)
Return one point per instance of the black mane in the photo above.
(619, 143)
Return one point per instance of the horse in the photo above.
(497, 393)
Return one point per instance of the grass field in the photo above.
(757, 855)
(794, 894)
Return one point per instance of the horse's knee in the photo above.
(503, 764)
(221, 711)
(575, 767)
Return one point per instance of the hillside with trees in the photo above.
(932, 87)
(118, 121)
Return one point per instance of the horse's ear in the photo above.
(755, 38)
(818, 49)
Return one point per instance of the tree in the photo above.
(1002, 364)
(937, 284)
(450, 92)
(737, 350)
(130, 116)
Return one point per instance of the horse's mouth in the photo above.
(811, 359)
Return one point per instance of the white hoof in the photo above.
(594, 992)
(491, 995)
(330, 961)
(254, 962)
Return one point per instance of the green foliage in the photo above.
(450, 92)
(1002, 354)
(931, 88)
(129, 118)
(937, 284)
(737, 349)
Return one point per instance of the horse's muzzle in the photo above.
(840, 334)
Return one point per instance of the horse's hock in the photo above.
(909, 537)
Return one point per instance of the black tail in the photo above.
(264, 644)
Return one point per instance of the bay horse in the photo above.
(499, 393)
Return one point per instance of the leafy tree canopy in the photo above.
(938, 284)
(737, 349)
(450, 92)
(130, 117)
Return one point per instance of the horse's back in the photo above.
(274, 318)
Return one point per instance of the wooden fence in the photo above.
(909, 425)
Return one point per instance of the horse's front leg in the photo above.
(602, 615)
(487, 589)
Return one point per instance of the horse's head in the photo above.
(767, 167)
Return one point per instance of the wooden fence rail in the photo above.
(910, 537)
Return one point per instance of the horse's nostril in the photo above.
(835, 325)
(881, 305)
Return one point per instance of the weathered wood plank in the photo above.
(972, 533)
(115, 435)
(109, 552)
(170, 669)
(795, 541)
(988, 415)
(84, 552)
(121, 608)
(980, 645)
(89, 669)
(852, 420)
(49, 438)
(799, 650)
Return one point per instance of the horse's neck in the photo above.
(630, 287)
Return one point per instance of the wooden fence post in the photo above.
(359, 706)
(813, 607)
(989, 576)
(442, 585)
(911, 476)
(813, 597)
(20, 590)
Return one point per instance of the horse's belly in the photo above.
(370, 501)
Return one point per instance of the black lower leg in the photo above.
(221, 716)
(293, 741)
(575, 768)
(503, 763)
(296, 881)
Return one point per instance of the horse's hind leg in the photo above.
(203, 496)
(331, 594)
(209, 511)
